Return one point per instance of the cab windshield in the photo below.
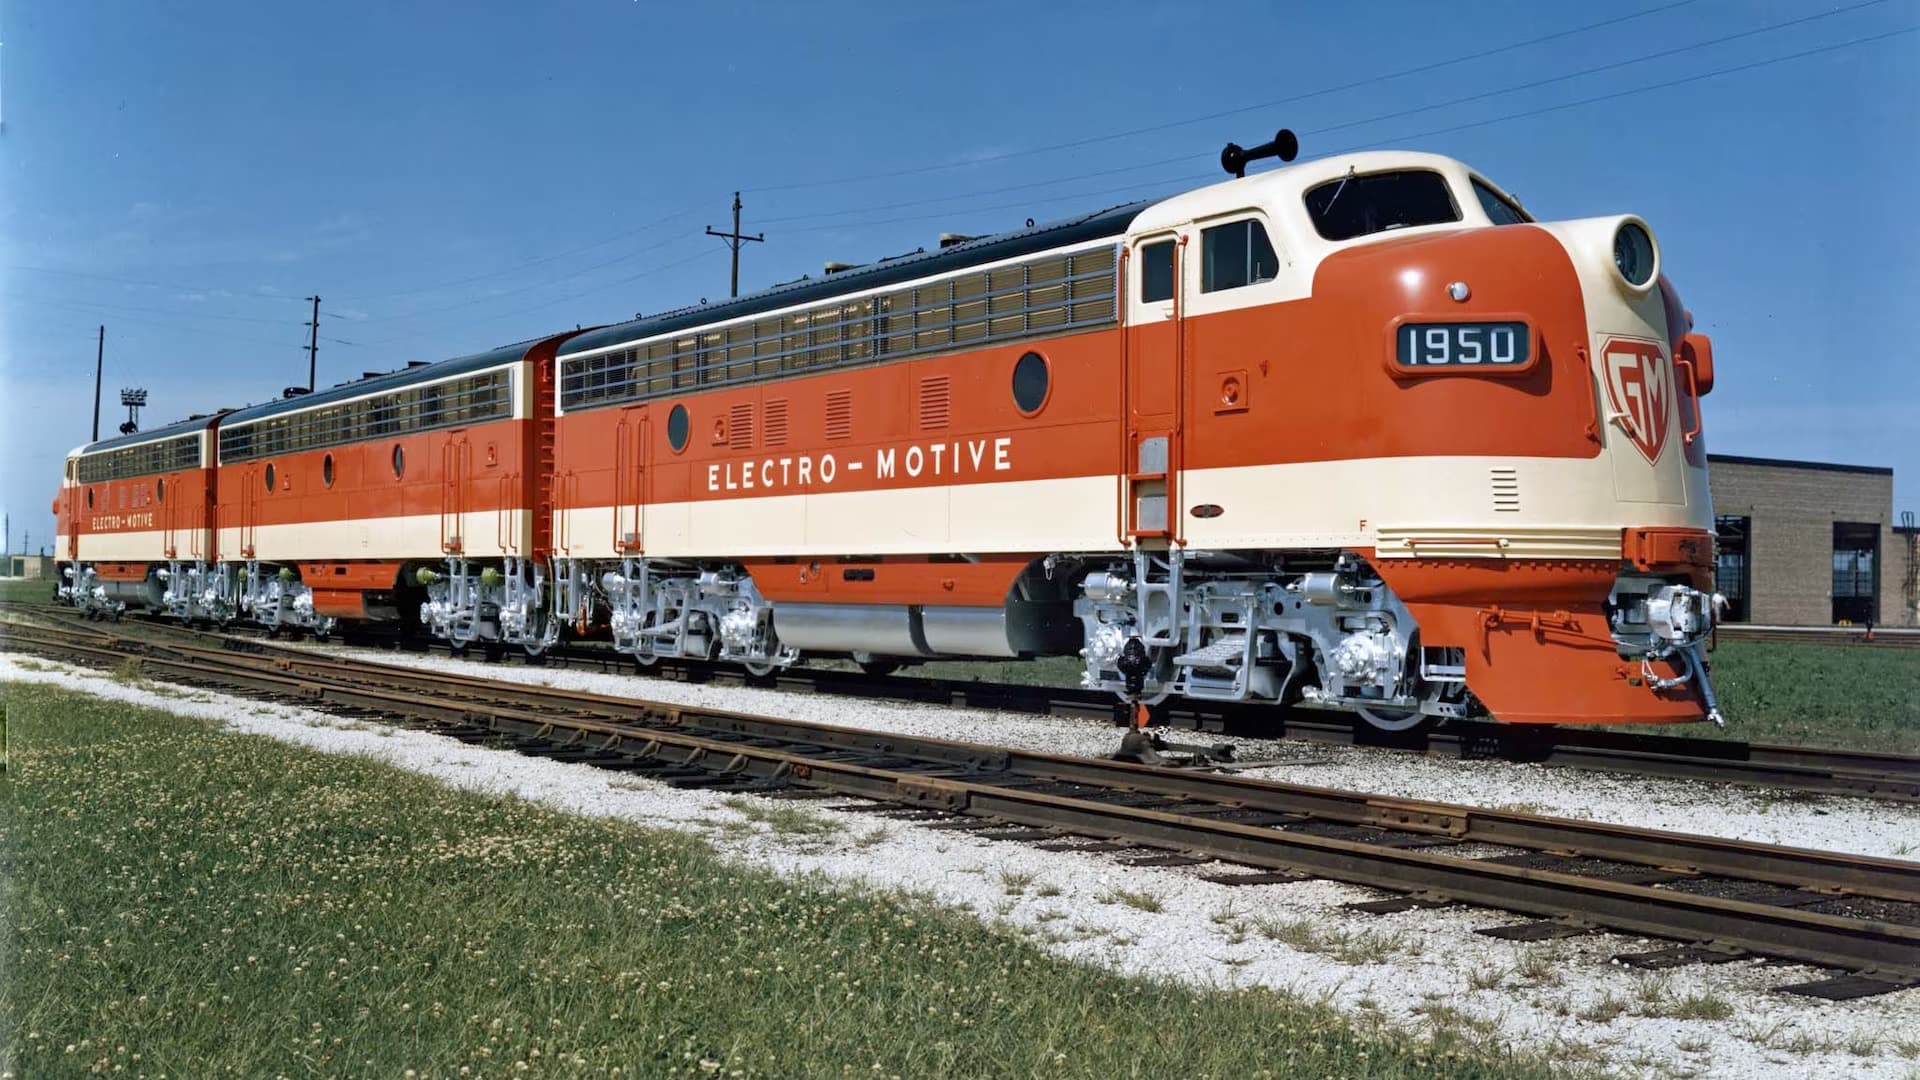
(1360, 205)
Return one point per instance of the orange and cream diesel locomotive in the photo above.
(134, 520)
(1357, 431)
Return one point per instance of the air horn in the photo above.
(1284, 146)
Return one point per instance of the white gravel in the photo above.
(1762, 815)
(1532, 995)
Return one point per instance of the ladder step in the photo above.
(1224, 652)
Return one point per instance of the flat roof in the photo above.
(1787, 463)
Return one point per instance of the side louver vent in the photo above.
(1506, 489)
(773, 431)
(740, 426)
(840, 414)
(936, 401)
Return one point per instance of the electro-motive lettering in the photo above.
(916, 461)
(118, 522)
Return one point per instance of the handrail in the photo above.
(1693, 393)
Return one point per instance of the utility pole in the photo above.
(313, 342)
(99, 364)
(735, 240)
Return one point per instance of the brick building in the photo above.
(1808, 543)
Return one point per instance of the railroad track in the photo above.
(1803, 769)
(1715, 899)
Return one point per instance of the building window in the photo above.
(1856, 572)
(1235, 255)
(1733, 566)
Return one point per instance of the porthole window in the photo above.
(326, 470)
(1030, 381)
(160, 490)
(677, 428)
(399, 462)
(269, 476)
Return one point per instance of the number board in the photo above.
(1463, 345)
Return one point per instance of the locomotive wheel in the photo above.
(759, 670)
(877, 668)
(1393, 719)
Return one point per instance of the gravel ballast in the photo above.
(1409, 968)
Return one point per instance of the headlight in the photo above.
(1633, 254)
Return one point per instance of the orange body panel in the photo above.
(365, 485)
(889, 581)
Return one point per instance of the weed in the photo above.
(1603, 1010)
(130, 672)
(1488, 977)
(784, 820)
(1015, 882)
(1140, 900)
(1540, 967)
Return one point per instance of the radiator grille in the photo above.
(936, 401)
(740, 426)
(840, 414)
(773, 428)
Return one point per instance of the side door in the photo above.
(1152, 388)
(456, 460)
(630, 464)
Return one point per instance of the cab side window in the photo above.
(1499, 210)
(1156, 271)
(1236, 254)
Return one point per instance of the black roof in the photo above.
(392, 380)
(1785, 463)
(985, 249)
(180, 427)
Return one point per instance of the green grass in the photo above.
(1807, 694)
(1818, 695)
(26, 590)
(186, 901)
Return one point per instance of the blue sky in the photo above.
(450, 177)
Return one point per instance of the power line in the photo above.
(1399, 139)
(490, 297)
(1378, 118)
(543, 260)
(144, 282)
(169, 313)
(90, 311)
(1308, 95)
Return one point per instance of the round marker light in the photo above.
(1633, 254)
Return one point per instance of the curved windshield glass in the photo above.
(1360, 205)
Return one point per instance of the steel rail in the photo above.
(1184, 811)
(1811, 770)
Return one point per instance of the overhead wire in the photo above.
(1362, 122)
(1170, 124)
